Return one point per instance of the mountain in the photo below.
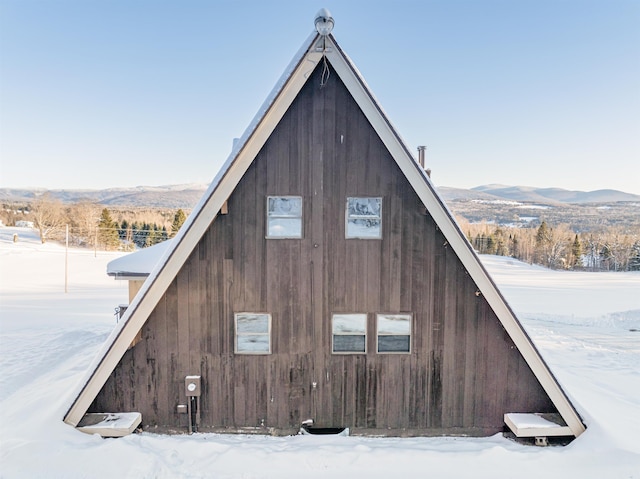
(186, 196)
(168, 196)
(555, 195)
(524, 206)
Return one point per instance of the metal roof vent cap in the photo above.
(324, 22)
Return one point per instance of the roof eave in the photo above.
(196, 225)
(127, 275)
(448, 225)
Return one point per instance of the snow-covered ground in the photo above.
(587, 326)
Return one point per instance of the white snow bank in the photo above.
(577, 294)
(48, 338)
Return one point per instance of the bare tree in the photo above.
(616, 252)
(48, 216)
(83, 218)
(613, 248)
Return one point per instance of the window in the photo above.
(284, 217)
(349, 333)
(364, 218)
(394, 333)
(253, 333)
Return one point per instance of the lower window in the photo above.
(253, 333)
(394, 333)
(349, 333)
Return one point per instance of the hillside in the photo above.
(505, 205)
(169, 196)
(186, 196)
(555, 195)
(529, 206)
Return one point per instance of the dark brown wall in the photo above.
(463, 373)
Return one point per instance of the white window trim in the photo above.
(301, 217)
(333, 334)
(237, 334)
(394, 334)
(346, 219)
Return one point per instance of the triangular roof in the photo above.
(244, 152)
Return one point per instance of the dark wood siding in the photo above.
(463, 372)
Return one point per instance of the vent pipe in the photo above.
(422, 150)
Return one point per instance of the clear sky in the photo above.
(98, 94)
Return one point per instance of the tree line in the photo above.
(558, 247)
(88, 224)
(615, 248)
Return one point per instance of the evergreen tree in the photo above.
(108, 231)
(491, 244)
(514, 246)
(139, 234)
(481, 244)
(124, 226)
(544, 237)
(634, 259)
(178, 220)
(143, 235)
(576, 252)
(502, 247)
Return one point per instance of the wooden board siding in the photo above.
(463, 372)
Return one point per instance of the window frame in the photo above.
(239, 334)
(389, 334)
(348, 217)
(364, 317)
(268, 234)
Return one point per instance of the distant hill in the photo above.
(186, 196)
(522, 206)
(555, 195)
(169, 196)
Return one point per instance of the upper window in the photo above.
(284, 217)
(349, 333)
(253, 333)
(394, 333)
(364, 218)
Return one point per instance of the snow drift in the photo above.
(586, 325)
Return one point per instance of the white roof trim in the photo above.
(452, 232)
(226, 181)
(243, 154)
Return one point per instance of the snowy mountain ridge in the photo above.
(187, 195)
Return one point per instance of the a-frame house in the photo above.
(322, 277)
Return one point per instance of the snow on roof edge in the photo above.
(264, 108)
(191, 219)
(139, 262)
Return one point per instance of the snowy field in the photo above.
(587, 326)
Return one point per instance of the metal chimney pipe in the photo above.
(421, 152)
